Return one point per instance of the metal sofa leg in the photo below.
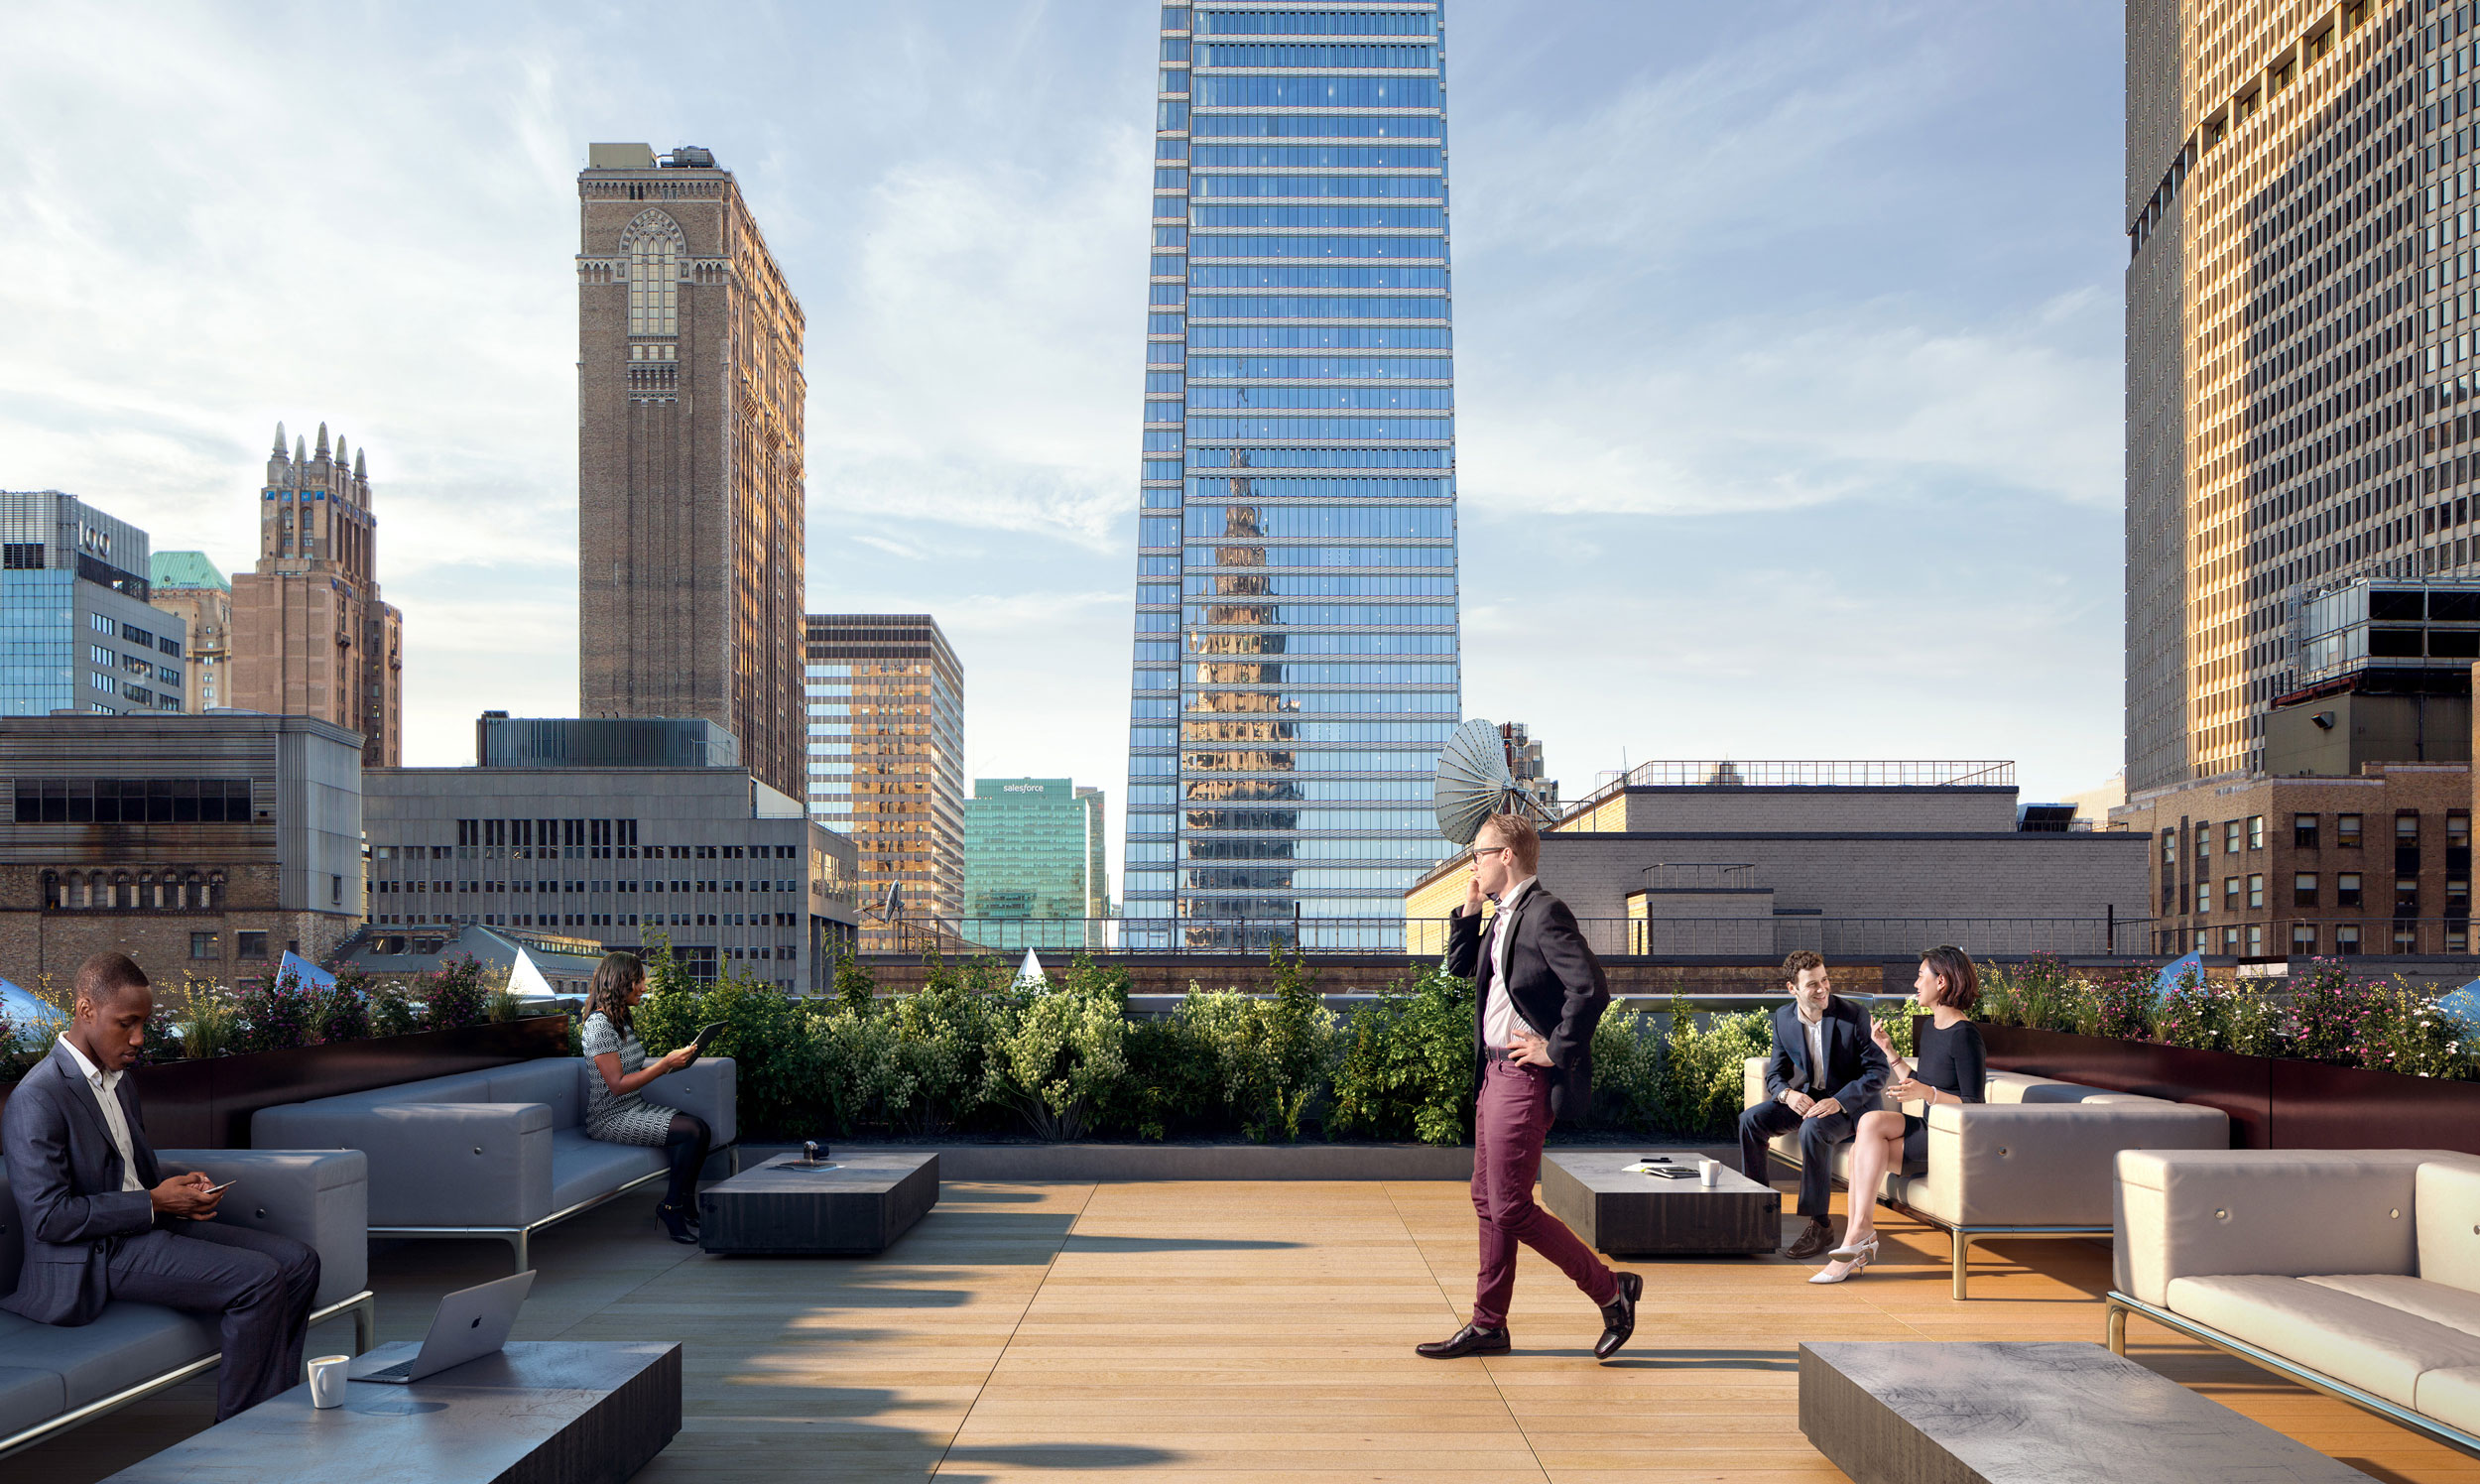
(2114, 1330)
(365, 1325)
(520, 1240)
(1960, 1245)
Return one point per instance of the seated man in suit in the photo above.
(102, 1222)
(1825, 1070)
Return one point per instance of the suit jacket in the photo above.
(1855, 1069)
(66, 1173)
(1553, 979)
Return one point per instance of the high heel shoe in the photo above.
(679, 1222)
(1858, 1260)
(1851, 1249)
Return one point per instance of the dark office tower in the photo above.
(1295, 667)
(2299, 377)
(690, 492)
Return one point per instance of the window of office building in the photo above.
(2346, 831)
(2304, 889)
(2346, 888)
(2230, 835)
(2303, 832)
(2256, 832)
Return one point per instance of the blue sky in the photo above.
(1788, 339)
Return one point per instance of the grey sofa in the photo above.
(2035, 1160)
(2356, 1272)
(55, 1377)
(501, 1152)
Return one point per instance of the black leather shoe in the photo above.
(1813, 1242)
(677, 1222)
(1619, 1316)
(1472, 1339)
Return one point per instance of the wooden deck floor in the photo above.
(1222, 1333)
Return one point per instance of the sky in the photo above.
(1788, 340)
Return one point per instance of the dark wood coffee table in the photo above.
(1641, 1215)
(538, 1412)
(2033, 1412)
(857, 1208)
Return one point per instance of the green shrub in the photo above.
(1059, 1054)
(1407, 1066)
(344, 1010)
(2194, 1013)
(278, 1016)
(856, 988)
(2410, 1034)
(766, 1033)
(213, 1025)
(456, 994)
(2120, 1007)
(392, 1012)
(1627, 1072)
(1895, 1017)
(1705, 1070)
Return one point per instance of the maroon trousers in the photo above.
(1510, 1120)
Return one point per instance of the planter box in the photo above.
(2274, 1102)
(208, 1103)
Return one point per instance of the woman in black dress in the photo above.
(1951, 1067)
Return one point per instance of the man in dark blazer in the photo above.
(1822, 1097)
(101, 1221)
(1539, 994)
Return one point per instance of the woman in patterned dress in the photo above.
(615, 1114)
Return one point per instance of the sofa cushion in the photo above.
(554, 1080)
(2448, 1196)
(12, 1241)
(582, 1167)
(126, 1344)
(28, 1396)
(2452, 1395)
(2439, 1303)
(2373, 1346)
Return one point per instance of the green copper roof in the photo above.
(185, 570)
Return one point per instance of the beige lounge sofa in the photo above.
(2034, 1160)
(2354, 1271)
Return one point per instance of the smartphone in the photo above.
(220, 1189)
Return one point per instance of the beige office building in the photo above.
(2297, 341)
(885, 722)
(188, 584)
(690, 481)
(309, 635)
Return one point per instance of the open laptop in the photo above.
(471, 1323)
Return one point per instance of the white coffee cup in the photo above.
(1709, 1170)
(326, 1380)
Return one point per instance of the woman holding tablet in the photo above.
(615, 1114)
(1952, 1067)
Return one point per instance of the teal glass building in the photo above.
(1297, 658)
(76, 632)
(1034, 863)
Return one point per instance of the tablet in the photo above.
(705, 1037)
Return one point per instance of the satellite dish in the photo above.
(1473, 783)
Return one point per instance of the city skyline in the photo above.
(1701, 473)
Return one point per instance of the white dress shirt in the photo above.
(1814, 1032)
(107, 1088)
(1498, 1018)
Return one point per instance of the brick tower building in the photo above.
(309, 635)
(690, 481)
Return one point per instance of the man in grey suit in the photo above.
(101, 1221)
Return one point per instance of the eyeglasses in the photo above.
(1479, 852)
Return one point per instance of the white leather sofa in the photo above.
(2035, 1160)
(2356, 1272)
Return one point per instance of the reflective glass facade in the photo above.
(76, 633)
(885, 698)
(1297, 662)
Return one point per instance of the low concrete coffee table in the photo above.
(1643, 1216)
(2036, 1412)
(538, 1412)
(860, 1207)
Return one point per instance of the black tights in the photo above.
(686, 1145)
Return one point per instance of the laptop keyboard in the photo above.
(397, 1372)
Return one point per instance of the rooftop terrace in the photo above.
(1241, 1332)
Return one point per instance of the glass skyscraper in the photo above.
(1297, 647)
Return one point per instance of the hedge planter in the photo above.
(2274, 1102)
(208, 1103)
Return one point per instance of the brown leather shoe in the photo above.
(1472, 1339)
(1814, 1241)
